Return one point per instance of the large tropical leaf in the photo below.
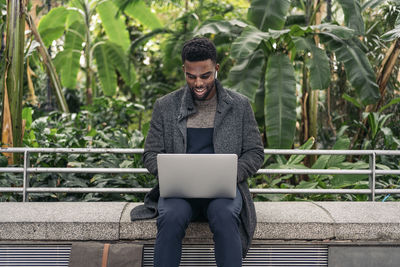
(244, 77)
(67, 61)
(230, 27)
(352, 15)
(52, 25)
(245, 45)
(74, 15)
(358, 69)
(318, 64)
(268, 14)
(340, 31)
(114, 26)
(320, 75)
(280, 102)
(106, 70)
(141, 12)
(120, 61)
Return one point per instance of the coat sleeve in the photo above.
(252, 154)
(154, 143)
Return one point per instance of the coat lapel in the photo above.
(186, 109)
(223, 106)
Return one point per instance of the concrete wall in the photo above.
(110, 221)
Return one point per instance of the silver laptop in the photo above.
(197, 175)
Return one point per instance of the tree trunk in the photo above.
(12, 87)
(88, 59)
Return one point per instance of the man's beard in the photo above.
(208, 89)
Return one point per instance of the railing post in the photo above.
(372, 163)
(26, 177)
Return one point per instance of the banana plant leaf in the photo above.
(119, 60)
(352, 15)
(140, 11)
(106, 70)
(244, 77)
(52, 25)
(268, 14)
(280, 102)
(318, 64)
(358, 69)
(248, 41)
(229, 27)
(114, 26)
(67, 61)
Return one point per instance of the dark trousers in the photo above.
(175, 214)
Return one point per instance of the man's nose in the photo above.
(198, 82)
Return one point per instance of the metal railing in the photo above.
(27, 170)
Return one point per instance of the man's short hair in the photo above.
(199, 49)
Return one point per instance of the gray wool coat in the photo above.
(235, 132)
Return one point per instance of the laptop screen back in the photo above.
(197, 175)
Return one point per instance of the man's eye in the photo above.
(204, 77)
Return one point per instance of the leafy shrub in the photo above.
(108, 123)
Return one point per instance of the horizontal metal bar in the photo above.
(77, 170)
(72, 150)
(140, 151)
(311, 171)
(309, 191)
(145, 171)
(316, 152)
(387, 191)
(11, 189)
(326, 171)
(145, 190)
(329, 152)
(75, 190)
(88, 170)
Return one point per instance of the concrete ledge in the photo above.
(62, 221)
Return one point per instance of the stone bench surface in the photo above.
(81, 221)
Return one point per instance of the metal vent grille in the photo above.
(192, 255)
(34, 255)
(257, 256)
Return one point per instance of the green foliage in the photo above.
(112, 120)
(107, 75)
(268, 14)
(322, 181)
(52, 26)
(352, 15)
(280, 116)
(358, 68)
(274, 58)
(67, 61)
(72, 22)
(319, 68)
(139, 10)
(252, 69)
(113, 26)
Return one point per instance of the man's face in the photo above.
(200, 77)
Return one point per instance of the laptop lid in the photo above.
(197, 175)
